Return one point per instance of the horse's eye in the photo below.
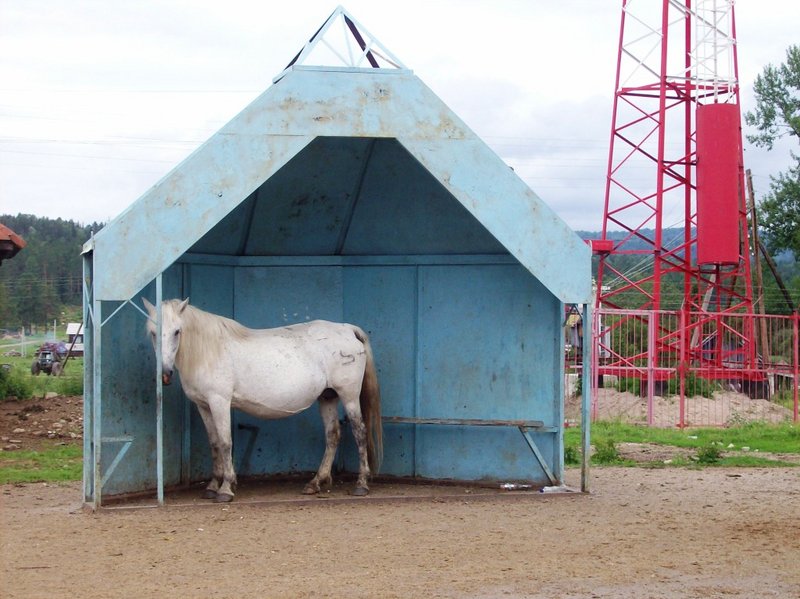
(177, 332)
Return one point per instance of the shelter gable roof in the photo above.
(310, 102)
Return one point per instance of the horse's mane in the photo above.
(203, 335)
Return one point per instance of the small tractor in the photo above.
(49, 359)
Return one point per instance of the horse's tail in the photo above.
(370, 400)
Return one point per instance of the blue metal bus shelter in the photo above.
(351, 194)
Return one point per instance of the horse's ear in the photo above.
(183, 305)
(151, 309)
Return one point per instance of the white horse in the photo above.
(272, 373)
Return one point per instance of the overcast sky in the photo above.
(100, 99)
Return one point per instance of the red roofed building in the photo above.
(10, 243)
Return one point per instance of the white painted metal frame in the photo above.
(351, 51)
(713, 50)
(712, 66)
(93, 476)
(586, 397)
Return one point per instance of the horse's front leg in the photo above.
(220, 409)
(216, 462)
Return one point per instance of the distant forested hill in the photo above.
(43, 282)
(44, 279)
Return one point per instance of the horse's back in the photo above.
(290, 367)
(314, 336)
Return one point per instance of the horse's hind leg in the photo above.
(330, 418)
(353, 409)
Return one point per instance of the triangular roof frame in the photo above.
(354, 49)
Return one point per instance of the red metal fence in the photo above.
(706, 374)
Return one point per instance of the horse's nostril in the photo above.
(166, 378)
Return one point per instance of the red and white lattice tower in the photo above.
(675, 164)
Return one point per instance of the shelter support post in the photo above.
(88, 381)
(586, 388)
(159, 398)
(97, 442)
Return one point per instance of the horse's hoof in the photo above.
(209, 494)
(223, 498)
(360, 492)
(310, 489)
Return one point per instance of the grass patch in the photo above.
(14, 383)
(61, 463)
(773, 438)
(17, 380)
(751, 461)
(785, 399)
(710, 444)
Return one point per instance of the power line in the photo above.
(64, 155)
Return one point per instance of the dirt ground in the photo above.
(640, 533)
(34, 423)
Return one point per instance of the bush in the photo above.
(710, 454)
(578, 391)
(605, 452)
(572, 455)
(784, 398)
(69, 385)
(630, 385)
(14, 384)
(693, 386)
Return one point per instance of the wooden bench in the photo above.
(525, 427)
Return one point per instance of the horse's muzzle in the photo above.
(166, 378)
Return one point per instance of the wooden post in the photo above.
(764, 344)
(69, 352)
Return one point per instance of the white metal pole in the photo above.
(589, 353)
(97, 401)
(88, 381)
(159, 398)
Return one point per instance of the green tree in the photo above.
(777, 115)
(780, 211)
(44, 279)
(8, 315)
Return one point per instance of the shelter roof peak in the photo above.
(342, 41)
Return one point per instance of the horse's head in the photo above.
(171, 314)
